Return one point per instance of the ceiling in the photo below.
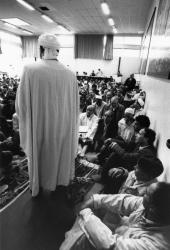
(78, 16)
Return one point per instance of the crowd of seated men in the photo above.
(107, 113)
(9, 128)
(132, 211)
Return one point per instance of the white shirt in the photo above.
(91, 123)
(130, 229)
(125, 131)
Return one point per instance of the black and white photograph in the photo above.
(84, 125)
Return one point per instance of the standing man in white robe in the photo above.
(47, 105)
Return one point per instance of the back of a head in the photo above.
(161, 201)
(143, 120)
(115, 99)
(150, 135)
(153, 167)
(47, 40)
(91, 108)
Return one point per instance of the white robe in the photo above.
(47, 105)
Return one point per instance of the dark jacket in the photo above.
(121, 158)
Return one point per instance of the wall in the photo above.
(10, 59)
(130, 62)
(158, 110)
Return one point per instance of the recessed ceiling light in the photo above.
(10, 25)
(15, 21)
(48, 19)
(105, 8)
(26, 5)
(111, 21)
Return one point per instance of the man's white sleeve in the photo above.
(123, 204)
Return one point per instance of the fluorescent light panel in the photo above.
(48, 19)
(27, 32)
(15, 21)
(10, 25)
(105, 8)
(62, 28)
(111, 21)
(26, 5)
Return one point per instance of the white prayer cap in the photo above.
(48, 41)
(98, 97)
(129, 111)
(141, 102)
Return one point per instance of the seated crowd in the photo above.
(132, 210)
(9, 128)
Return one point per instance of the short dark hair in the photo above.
(143, 120)
(160, 199)
(150, 135)
(153, 167)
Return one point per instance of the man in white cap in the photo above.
(99, 105)
(126, 127)
(47, 105)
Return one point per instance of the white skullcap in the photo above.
(141, 102)
(98, 97)
(48, 41)
(129, 111)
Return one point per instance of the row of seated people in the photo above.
(108, 120)
(98, 73)
(9, 128)
(105, 91)
(133, 210)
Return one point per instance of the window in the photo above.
(10, 59)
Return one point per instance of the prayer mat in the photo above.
(82, 182)
(13, 183)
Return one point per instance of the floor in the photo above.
(36, 224)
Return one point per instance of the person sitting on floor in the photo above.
(141, 122)
(134, 182)
(98, 106)
(90, 120)
(99, 73)
(108, 103)
(137, 223)
(119, 157)
(92, 74)
(126, 129)
(130, 83)
(103, 130)
(117, 114)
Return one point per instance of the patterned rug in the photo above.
(15, 182)
(83, 182)
(18, 180)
